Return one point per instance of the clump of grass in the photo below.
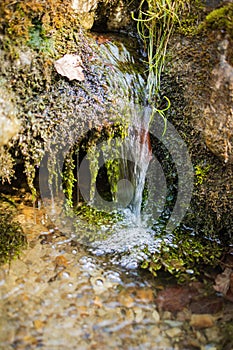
(155, 24)
(12, 238)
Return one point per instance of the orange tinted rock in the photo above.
(202, 321)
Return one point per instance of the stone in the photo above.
(84, 6)
(156, 316)
(118, 16)
(218, 114)
(202, 321)
(173, 332)
(87, 20)
(9, 124)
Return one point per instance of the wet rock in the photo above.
(218, 115)
(126, 300)
(174, 298)
(118, 16)
(202, 321)
(156, 316)
(206, 305)
(173, 332)
(9, 125)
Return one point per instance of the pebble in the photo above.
(173, 332)
(52, 298)
(202, 321)
(156, 316)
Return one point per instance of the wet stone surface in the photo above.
(58, 296)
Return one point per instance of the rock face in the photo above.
(9, 125)
(110, 14)
(218, 115)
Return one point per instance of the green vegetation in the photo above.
(21, 19)
(96, 217)
(155, 24)
(201, 173)
(184, 255)
(221, 18)
(193, 14)
(12, 238)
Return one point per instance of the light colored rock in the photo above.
(84, 6)
(156, 316)
(173, 332)
(87, 20)
(9, 125)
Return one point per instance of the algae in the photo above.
(184, 255)
(220, 19)
(12, 238)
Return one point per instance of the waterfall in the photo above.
(137, 148)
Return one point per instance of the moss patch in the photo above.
(12, 238)
(19, 18)
(221, 19)
(184, 255)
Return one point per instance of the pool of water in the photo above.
(57, 295)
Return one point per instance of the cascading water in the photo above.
(127, 159)
(125, 154)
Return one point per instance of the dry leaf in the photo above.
(70, 67)
(222, 281)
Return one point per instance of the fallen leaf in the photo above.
(70, 67)
(222, 281)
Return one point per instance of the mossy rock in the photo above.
(221, 19)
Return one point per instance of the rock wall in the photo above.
(198, 81)
(218, 115)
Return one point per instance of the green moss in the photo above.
(184, 255)
(201, 173)
(19, 18)
(69, 180)
(39, 41)
(192, 15)
(12, 238)
(96, 218)
(221, 19)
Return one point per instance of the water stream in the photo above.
(75, 286)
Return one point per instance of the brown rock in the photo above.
(218, 117)
(174, 298)
(202, 321)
